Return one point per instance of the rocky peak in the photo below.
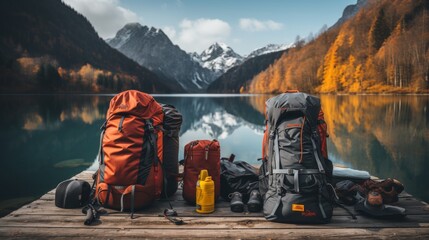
(219, 57)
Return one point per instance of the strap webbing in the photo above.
(290, 171)
(296, 180)
(122, 202)
(322, 210)
(149, 154)
(133, 189)
(100, 156)
(276, 151)
(101, 172)
(316, 155)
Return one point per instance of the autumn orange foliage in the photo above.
(86, 77)
(383, 48)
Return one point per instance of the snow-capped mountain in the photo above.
(268, 49)
(151, 48)
(220, 124)
(219, 58)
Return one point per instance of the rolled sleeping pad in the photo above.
(172, 124)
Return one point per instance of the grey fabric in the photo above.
(297, 187)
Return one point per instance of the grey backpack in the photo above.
(293, 175)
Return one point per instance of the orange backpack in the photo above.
(131, 152)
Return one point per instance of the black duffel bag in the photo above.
(237, 176)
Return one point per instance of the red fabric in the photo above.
(195, 161)
(123, 148)
(323, 132)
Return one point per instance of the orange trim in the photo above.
(291, 91)
(291, 125)
(302, 129)
(298, 207)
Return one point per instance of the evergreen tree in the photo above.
(378, 32)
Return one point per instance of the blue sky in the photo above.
(194, 25)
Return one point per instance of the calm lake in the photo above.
(46, 139)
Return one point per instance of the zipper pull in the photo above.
(207, 153)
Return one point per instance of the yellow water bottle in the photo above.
(205, 193)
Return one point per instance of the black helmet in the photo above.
(72, 193)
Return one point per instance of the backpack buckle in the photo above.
(149, 125)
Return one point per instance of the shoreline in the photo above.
(212, 94)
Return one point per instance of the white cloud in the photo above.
(169, 31)
(254, 25)
(106, 16)
(197, 35)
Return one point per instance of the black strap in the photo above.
(316, 155)
(346, 209)
(133, 189)
(101, 154)
(316, 150)
(164, 174)
(100, 149)
(322, 210)
(92, 193)
(149, 154)
(170, 214)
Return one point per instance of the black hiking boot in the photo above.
(255, 201)
(237, 204)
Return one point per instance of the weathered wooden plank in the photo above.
(184, 233)
(42, 219)
(412, 205)
(183, 209)
(124, 221)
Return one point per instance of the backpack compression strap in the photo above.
(294, 172)
(100, 156)
(149, 154)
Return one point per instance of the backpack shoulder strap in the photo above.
(149, 146)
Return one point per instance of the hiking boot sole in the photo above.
(254, 207)
(238, 207)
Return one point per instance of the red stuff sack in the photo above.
(200, 154)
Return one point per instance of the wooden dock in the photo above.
(41, 219)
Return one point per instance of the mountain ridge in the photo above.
(150, 47)
(50, 47)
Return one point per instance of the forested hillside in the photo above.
(383, 48)
(46, 46)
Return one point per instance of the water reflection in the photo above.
(231, 120)
(38, 133)
(46, 139)
(386, 135)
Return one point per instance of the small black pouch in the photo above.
(346, 191)
(72, 193)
